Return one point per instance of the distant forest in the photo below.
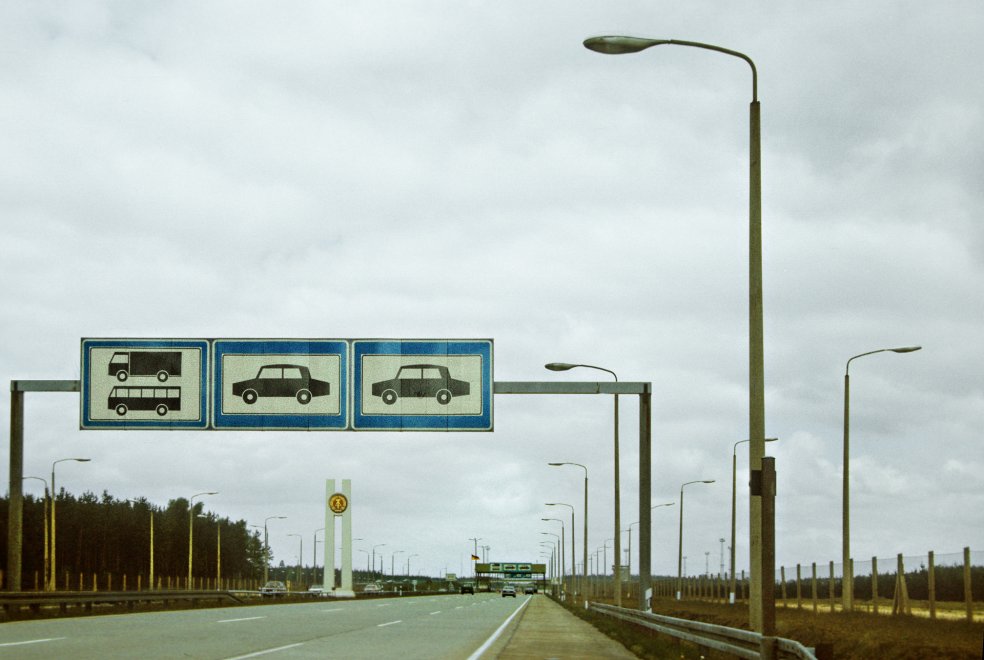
(104, 535)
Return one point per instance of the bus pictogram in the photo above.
(125, 398)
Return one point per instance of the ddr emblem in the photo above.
(338, 503)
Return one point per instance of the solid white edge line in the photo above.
(259, 653)
(33, 641)
(491, 640)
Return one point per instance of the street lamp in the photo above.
(734, 464)
(847, 588)
(584, 540)
(378, 545)
(680, 550)
(266, 546)
(150, 575)
(54, 497)
(392, 560)
(615, 45)
(409, 557)
(191, 527)
(563, 366)
(573, 567)
(44, 508)
(314, 559)
(563, 562)
(300, 556)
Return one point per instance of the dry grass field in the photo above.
(855, 636)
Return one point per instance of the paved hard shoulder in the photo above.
(547, 630)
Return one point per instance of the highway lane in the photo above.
(447, 626)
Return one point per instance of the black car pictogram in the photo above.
(281, 380)
(421, 381)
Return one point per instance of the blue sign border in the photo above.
(276, 421)
(87, 423)
(479, 422)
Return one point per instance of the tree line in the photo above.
(100, 535)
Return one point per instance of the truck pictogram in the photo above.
(162, 364)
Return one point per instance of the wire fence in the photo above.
(949, 585)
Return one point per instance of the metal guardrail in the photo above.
(13, 601)
(741, 643)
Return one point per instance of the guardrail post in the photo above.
(769, 648)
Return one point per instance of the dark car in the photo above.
(281, 380)
(529, 589)
(468, 589)
(421, 381)
(509, 590)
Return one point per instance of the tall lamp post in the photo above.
(266, 547)
(573, 567)
(680, 546)
(563, 366)
(378, 545)
(584, 539)
(847, 588)
(393, 560)
(734, 472)
(191, 526)
(300, 556)
(44, 507)
(563, 562)
(616, 45)
(54, 497)
(314, 559)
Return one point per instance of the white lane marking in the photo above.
(391, 623)
(460, 607)
(248, 618)
(384, 605)
(337, 609)
(491, 640)
(259, 653)
(33, 641)
(437, 612)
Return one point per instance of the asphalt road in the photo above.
(448, 626)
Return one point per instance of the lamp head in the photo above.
(906, 349)
(559, 366)
(708, 481)
(615, 45)
(555, 464)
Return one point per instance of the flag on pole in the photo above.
(474, 558)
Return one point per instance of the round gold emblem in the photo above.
(338, 503)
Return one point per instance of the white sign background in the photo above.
(101, 384)
(244, 367)
(376, 368)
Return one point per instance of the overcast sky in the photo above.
(469, 170)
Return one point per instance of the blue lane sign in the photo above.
(422, 385)
(144, 384)
(280, 384)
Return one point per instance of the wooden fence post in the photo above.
(813, 589)
(932, 585)
(782, 576)
(830, 593)
(799, 592)
(874, 585)
(968, 596)
(900, 604)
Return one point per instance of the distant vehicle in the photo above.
(161, 364)
(508, 590)
(124, 398)
(421, 381)
(281, 380)
(372, 588)
(468, 589)
(316, 590)
(273, 588)
(529, 589)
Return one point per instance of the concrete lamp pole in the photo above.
(680, 546)
(300, 556)
(266, 547)
(584, 539)
(191, 527)
(563, 562)
(573, 567)
(734, 464)
(54, 496)
(847, 587)
(44, 575)
(617, 45)
(378, 545)
(563, 366)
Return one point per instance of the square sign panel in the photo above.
(144, 383)
(422, 385)
(280, 384)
